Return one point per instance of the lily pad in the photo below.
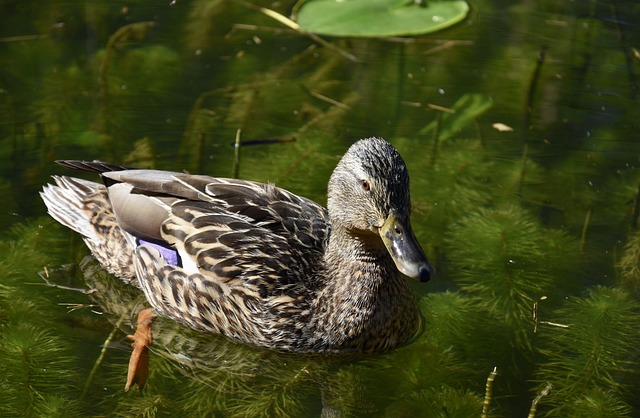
(374, 18)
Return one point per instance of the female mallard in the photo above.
(255, 262)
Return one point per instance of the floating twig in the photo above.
(555, 324)
(326, 99)
(440, 108)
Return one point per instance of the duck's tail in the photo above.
(84, 207)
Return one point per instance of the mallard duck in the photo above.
(257, 263)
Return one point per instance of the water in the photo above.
(531, 223)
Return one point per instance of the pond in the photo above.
(519, 126)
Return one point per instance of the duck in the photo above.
(257, 263)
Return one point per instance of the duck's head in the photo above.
(369, 198)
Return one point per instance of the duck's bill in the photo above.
(398, 237)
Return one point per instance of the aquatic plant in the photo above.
(587, 360)
(379, 18)
(38, 366)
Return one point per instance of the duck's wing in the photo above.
(239, 232)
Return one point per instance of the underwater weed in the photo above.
(586, 361)
(443, 402)
(36, 365)
(142, 406)
(38, 362)
(422, 376)
(57, 406)
(507, 261)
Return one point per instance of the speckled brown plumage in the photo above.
(256, 262)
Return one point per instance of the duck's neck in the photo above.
(367, 304)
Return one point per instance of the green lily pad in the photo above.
(372, 18)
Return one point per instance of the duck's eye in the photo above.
(365, 185)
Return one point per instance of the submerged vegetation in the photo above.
(525, 185)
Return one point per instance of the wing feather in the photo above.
(240, 232)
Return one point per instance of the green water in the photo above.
(541, 216)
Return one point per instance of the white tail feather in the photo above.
(65, 203)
